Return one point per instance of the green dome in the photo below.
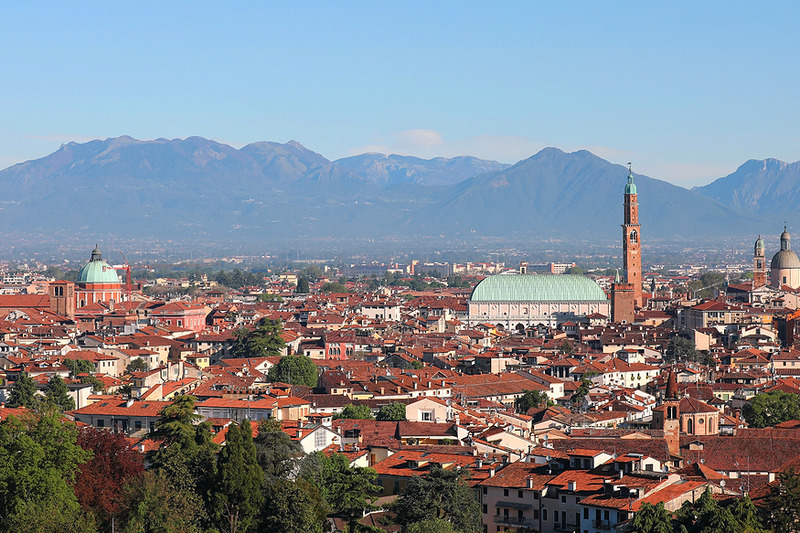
(630, 187)
(97, 270)
(759, 243)
(537, 288)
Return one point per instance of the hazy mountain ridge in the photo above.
(387, 170)
(768, 187)
(205, 191)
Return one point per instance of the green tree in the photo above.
(681, 349)
(302, 286)
(276, 453)
(576, 270)
(150, 503)
(137, 365)
(313, 272)
(770, 408)
(97, 385)
(416, 364)
(431, 526)
(39, 460)
(442, 494)
(176, 423)
(292, 507)
(78, 366)
(190, 472)
(566, 348)
(395, 411)
(237, 495)
(334, 287)
(348, 490)
(652, 519)
(783, 502)
(23, 392)
(57, 394)
(264, 341)
(295, 370)
(529, 399)
(351, 411)
(747, 515)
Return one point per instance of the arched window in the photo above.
(634, 236)
(690, 426)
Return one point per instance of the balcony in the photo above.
(601, 524)
(513, 521)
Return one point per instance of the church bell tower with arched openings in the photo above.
(631, 240)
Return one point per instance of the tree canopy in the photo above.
(529, 399)
(394, 411)
(39, 460)
(57, 394)
(682, 350)
(295, 370)
(441, 494)
(264, 341)
(302, 285)
(237, 495)
(78, 366)
(770, 408)
(23, 392)
(356, 411)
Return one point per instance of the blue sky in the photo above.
(686, 90)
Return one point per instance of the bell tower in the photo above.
(759, 264)
(631, 240)
(672, 414)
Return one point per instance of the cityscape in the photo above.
(538, 282)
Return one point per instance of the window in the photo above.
(519, 494)
(319, 439)
(586, 513)
(544, 514)
(484, 490)
(563, 499)
(505, 492)
(137, 424)
(555, 516)
(427, 416)
(101, 423)
(485, 508)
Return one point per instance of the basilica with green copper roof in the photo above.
(518, 301)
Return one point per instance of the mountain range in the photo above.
(203, 191)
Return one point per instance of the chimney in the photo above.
(478, 462)
(491, 472)
(529, 482)
(571, 486)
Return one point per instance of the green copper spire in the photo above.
(630, 188)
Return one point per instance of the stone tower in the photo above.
(672, 415)
(759, 264)
(631, 240)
